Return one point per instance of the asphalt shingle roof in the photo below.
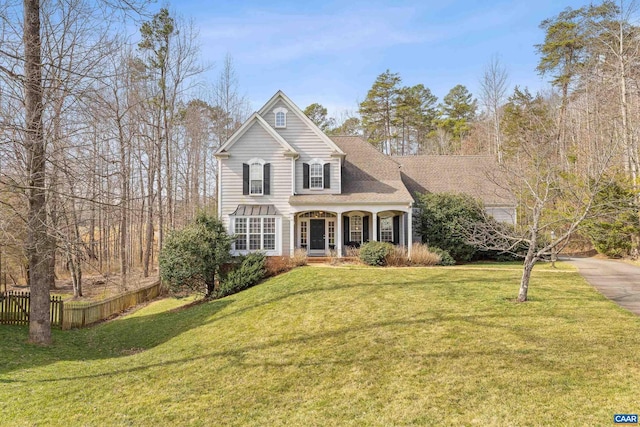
(477, 176)
(368, 176)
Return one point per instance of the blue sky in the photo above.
(331, 52)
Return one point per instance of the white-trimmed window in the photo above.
(255, 233)
(386, 229)
(280, 117)
(316, 174)
(256, 178)
(355, 228)
(240, 228)
(268, 234)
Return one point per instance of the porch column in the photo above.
(409, 231)
(339, 234)
(374, 227)
(292, 234)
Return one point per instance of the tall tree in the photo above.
(378, 110)
(458, 110)
(564, 53)
(493, 85)
(318, 115)
(229, 101)
(38, 246)
(414, 117)
(156, 35)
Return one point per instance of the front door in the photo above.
(317, 234)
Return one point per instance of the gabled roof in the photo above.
(368, 177)
(298, 112)
(255, 118)
(477, 176)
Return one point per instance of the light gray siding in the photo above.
(506, 214)
(257, 143)
(308, 145)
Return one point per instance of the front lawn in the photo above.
(355, 346)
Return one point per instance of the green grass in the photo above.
(352, 346)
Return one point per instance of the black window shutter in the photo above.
(396, 230)
(378, 229)
(365, 228)
(345, 226)
(245, 178)
(267, 179)
(305, 175)
(327, 175)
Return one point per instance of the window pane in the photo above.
(355, 226)
(280, 119)
(256, 178)
(269, 225)
(269, 229)
(303, 233)
(254, 234)
(315, 175)
(332, 233)
(256, 187)
(241, 234)
(386, 229)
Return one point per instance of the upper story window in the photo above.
(256, 184)
(256, 174)
(315, 176)
(280, 117)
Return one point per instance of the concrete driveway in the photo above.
(616, 280)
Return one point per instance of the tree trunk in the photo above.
(211, 285)
(524, 281)
(38, 247)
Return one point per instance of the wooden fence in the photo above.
(14, 308)
(80, 314)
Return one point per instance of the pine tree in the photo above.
(378, 110)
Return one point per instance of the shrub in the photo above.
(275, 265)
(397, 257)
(279, 265)
(374, 253)
(352, 252)
(191, 257)
(443, 220)
(445, 256)
(423, 256)
(299, 258)
(249, 272)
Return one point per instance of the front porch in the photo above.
(325, 232)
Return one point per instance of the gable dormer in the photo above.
(317, 169)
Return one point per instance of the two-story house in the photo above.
(284, 184)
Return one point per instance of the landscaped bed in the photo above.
(342, 346)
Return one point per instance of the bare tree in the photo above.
(549, 197)
(493, 85)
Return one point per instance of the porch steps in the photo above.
(318, 259)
